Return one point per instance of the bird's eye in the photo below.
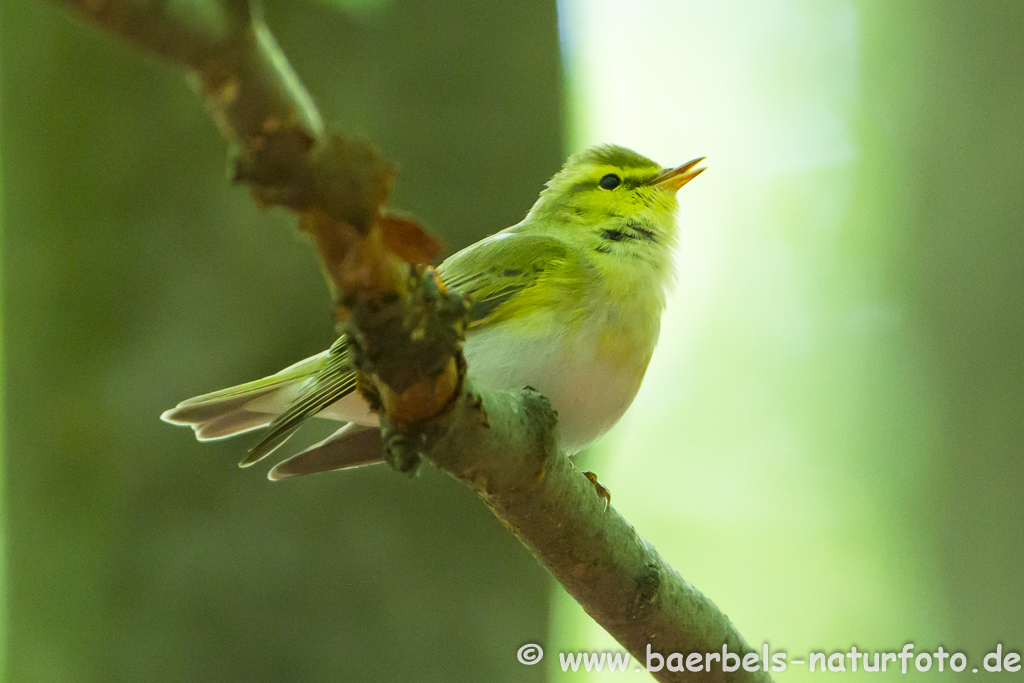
(609, 182)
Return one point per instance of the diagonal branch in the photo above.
(406, 331)
(502, 445)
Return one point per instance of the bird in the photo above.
(568, 301)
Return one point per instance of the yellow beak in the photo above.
(675, 178)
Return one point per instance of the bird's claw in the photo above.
(600, 488)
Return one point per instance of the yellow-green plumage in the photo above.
(568, 301)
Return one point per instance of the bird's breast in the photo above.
(589, 368)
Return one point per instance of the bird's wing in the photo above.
(332, 382)
(508, 272)
(501, 275)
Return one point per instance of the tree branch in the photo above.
(406, 331)
(502, 444)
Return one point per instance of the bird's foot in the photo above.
(601, 489)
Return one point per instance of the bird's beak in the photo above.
(675, 178)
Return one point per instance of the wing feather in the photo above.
(493, 273)
(332, 382)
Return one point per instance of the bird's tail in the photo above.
(243, 408)
(351, 446)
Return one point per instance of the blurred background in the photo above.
(829, 442)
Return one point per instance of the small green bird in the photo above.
(567, 301)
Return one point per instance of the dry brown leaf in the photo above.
(408, 240)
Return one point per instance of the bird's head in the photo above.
(617, 192)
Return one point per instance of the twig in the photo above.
(407, 332)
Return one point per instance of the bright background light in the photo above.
(761, 456)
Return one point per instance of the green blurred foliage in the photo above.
(135, 276)
(3, 441)
(359, 8)
(829, 442)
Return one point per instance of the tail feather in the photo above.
(245, 407)
(282, 403)
(333, 381)
(232, 424)
(351, 446)
(220, 418)
(196, 411)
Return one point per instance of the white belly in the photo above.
(588, 392)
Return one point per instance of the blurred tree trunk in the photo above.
(142, 278)
(3, 443)
(949, 106)
(965, 279)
